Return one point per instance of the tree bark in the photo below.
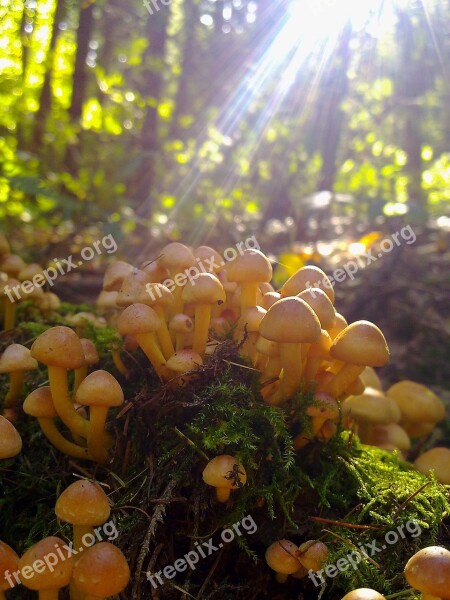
(80, 76)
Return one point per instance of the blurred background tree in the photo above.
(298, 119)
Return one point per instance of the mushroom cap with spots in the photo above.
(59, 347)
(290, 320)
(47, 579)
(39, 404)
(361, 343)
(132, 288)
(17, 358)
(307, 277)
(101, 571)
(100, 388)
(437, 460)
(10, 440)
(429, 571)
(83, 503)
(138, 319)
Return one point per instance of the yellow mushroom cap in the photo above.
(184, 360)
(312, 554)
(281, 557)
(210, 258)
(39, 404)
(218, 472)
(17, 358)
(155, 272)
(321, 305)
(252, 266)
(101, 571)
(371, 407)
(437, 460)
(176, 256)
(132, 288)
(363, 594)
(370, 378)
(100, 388)
(417, 403)
(181, 323)
(321, 348)
(361, 343)
(107, 300)
(251, 319)
(270, 298)
(115, 274)
(137, 319)
(205, 288)
(339, 325)
(155, 294)
(91, 356)
(429, 571)
(390, 434)
(83, 503)
(59, 347)
(10, 440)
(290, 320)
(9, 562)
(46, 579)
(307, 277)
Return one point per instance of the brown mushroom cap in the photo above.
(371, 407)
(46, 579)
(321, 305)
(39, 404)
(102, 571)
(290, 320)
(417, 403)
(100, 388)
(184, 360)
(83, 503)
(312, 554)
(59, 347)
(205, 288)
(137, 319)
(132, 288)
(281, 557)
(91, 356)
(12, 264)
(210, 258)
(155, 294)
(390, 434)
(49, 301)
(361, 343)
(107, 300)
(176, 257)
(370, 378)
(217, 471)
(307, 277)
(17, 358)
(363, 594)
(9, 562)
(10, 440)
(429, 571)
(251, 319)
(250, 266)
(30, 271)
(115, 274)
(437, 460)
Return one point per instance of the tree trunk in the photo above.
(80, 76)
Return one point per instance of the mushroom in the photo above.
(281, 556)
(312, 555)
(107, 302)
(10, 440)
(9, 306)
(9, 564)
(368, 409)
(249, 269)
(370, 379)
(39, 404)
(305, 278)
(180, 325)
(249, 322)
(421, 409)
(325, 408)
(91, 358)
(321, 305)
(115, 274)
(132, 288)
(16, 360)
(359, 345)
(225, 474)
(317, 353)
(183, 361)
(176, 258)
(84, 505)
(363, 594)
(270, 298)
(391, 437)
(142, 322)
(429, 572)
(160, 299)
(339, 325)
(204, 291)
(48, 303)
(47, 580)
(290, 322)
(101, 572)
(209, 258)
(30, 271)
(154, 271)
(12, 264)
(436, 460)
(100, 391)
(266, 288)
(60, 349)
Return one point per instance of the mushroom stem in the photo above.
(249, 295)
(79, 531)
(201, 328)
(223, 494)
(10, 315)
(149, 345)
(51, 432)
(63, 404)
(311, 368)
(80, 375)
(281, 577)
(343, 378)
(163, 334)
(249, 346)
(98, 416)
(290, 357)
(119, 364)
(16, 379)
(48, 595)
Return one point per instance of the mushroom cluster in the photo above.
(92, 568)
(286, 558)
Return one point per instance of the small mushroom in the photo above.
(312, 555)
(363, 594)
(176, 258)
(249, 323)
(436, 460)
(91, 358)
(17, 361)
(101, 572)
(370, 379)
(48, 303)
(115, 274)
(9, 564)
(429, 572)
(47, 580)
(281, 556)
(183, 361)
(180, 326)
(160, 299)
(305, 278)
(225, 474)
(321, 305)
(100, 391)
(248, 270)
(10, 440)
